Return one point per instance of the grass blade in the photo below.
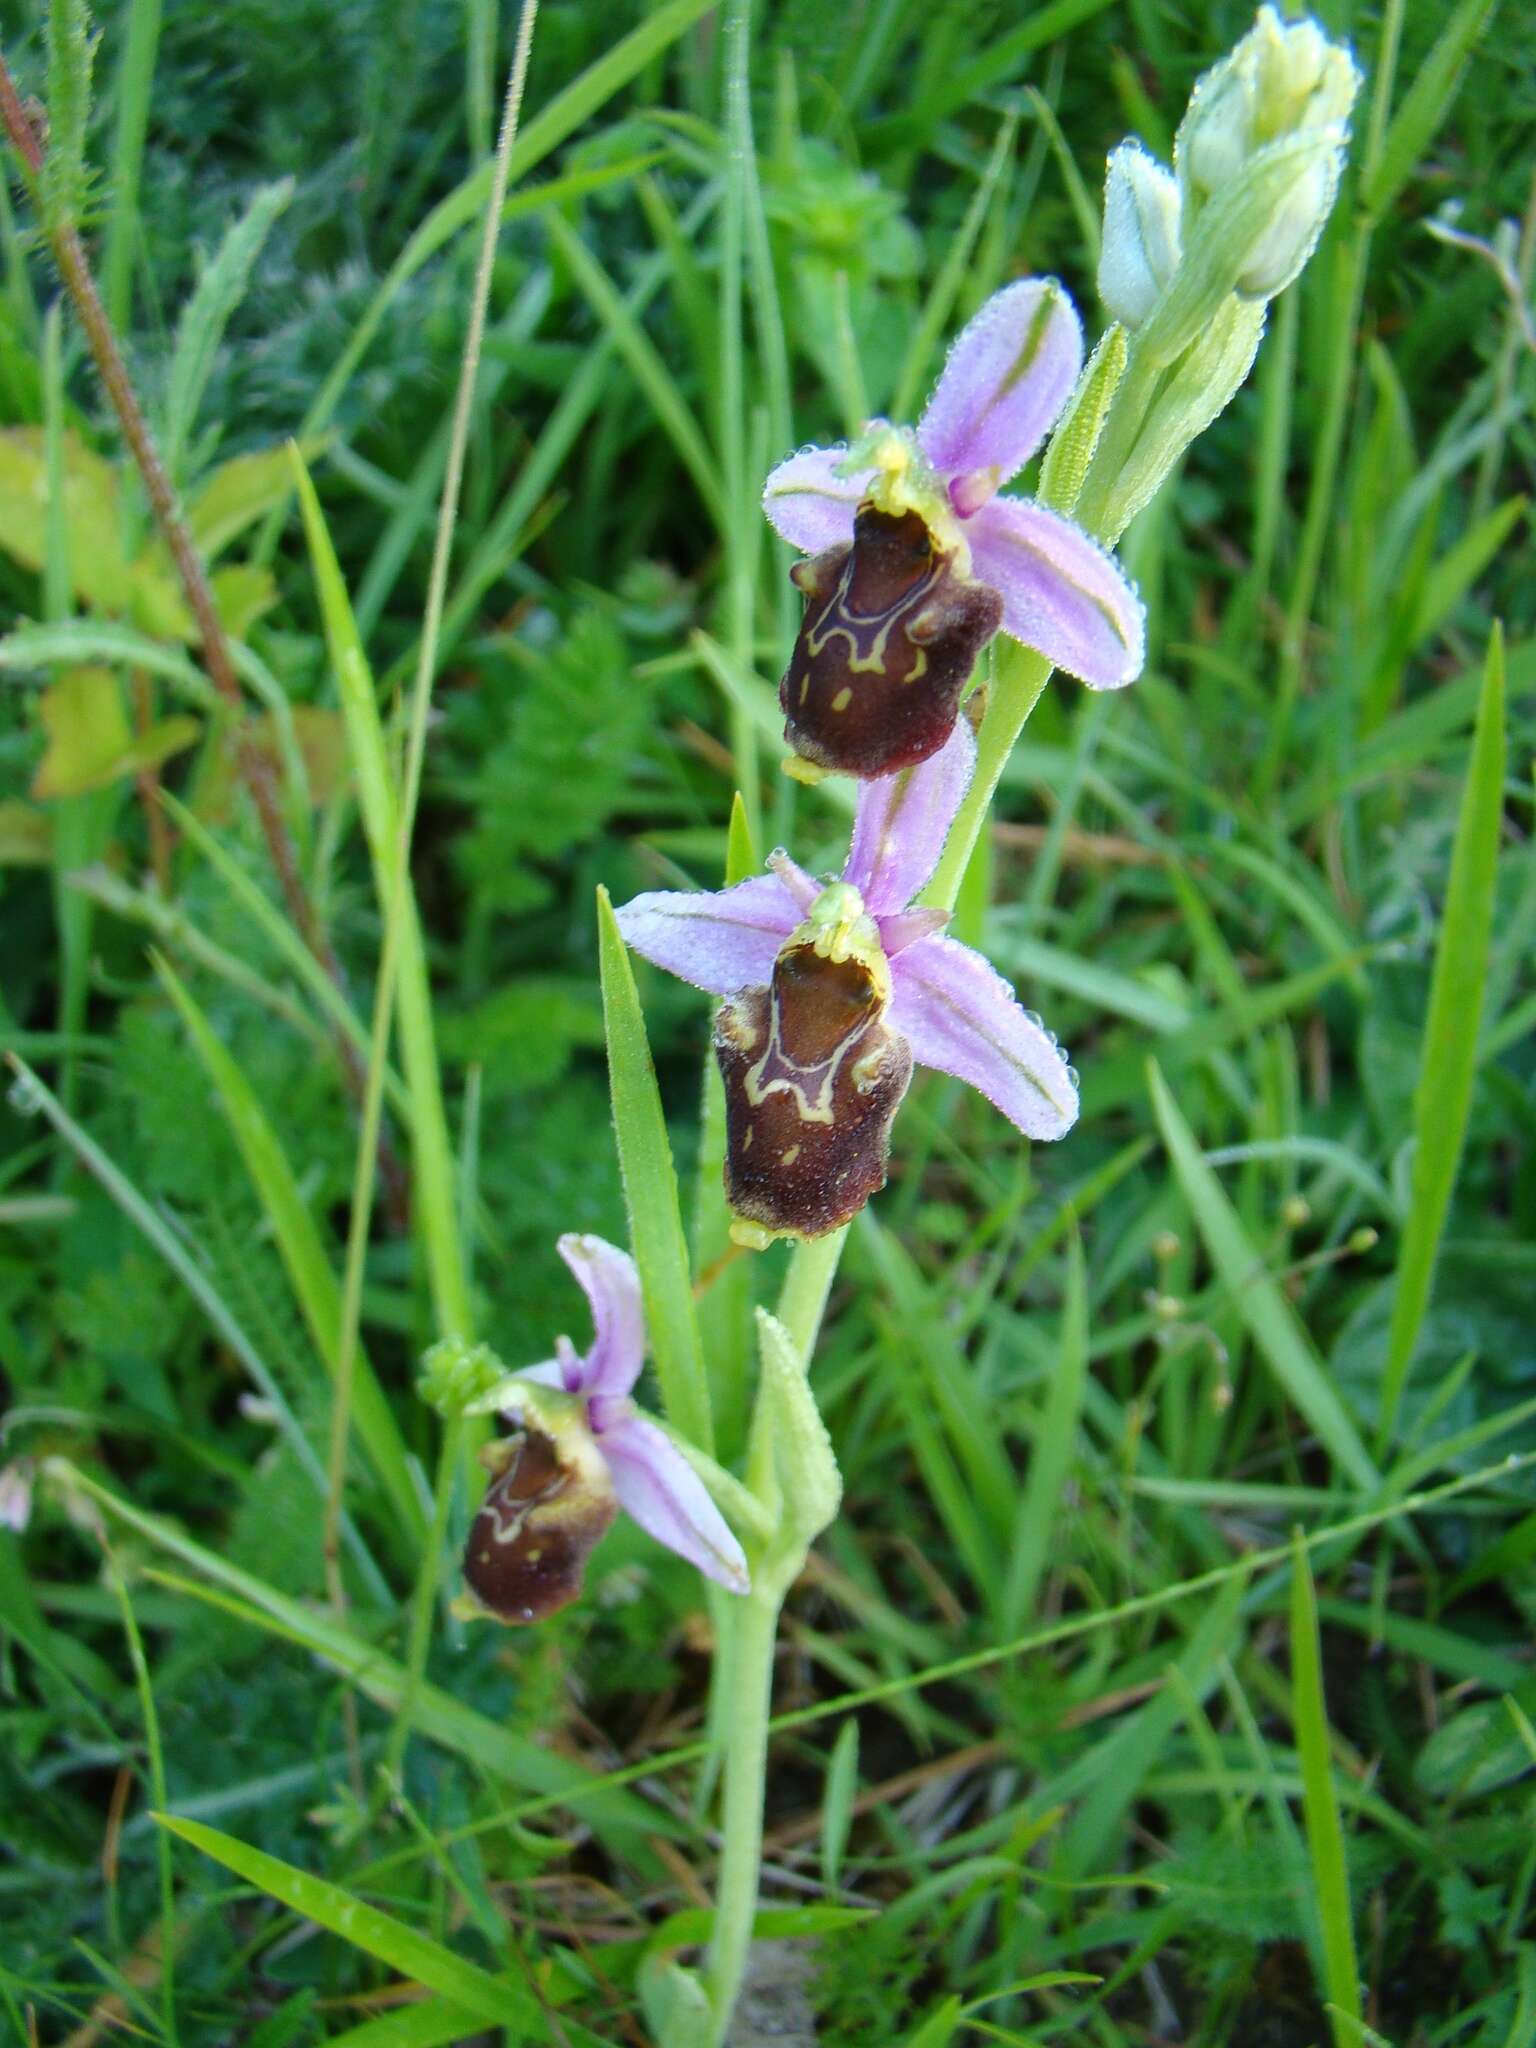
(650, 1192)
(309, 1271)
(1325, 1835)
(415, 1956)
(1052, 1451)
(268, 919)
(1443, 1096)
(1424, 106)
(1272, 1322)
(436, 1204)
(207, 313)
(645, 365)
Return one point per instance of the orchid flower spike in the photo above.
(581, 1451)
(916, 561)
(834, 991)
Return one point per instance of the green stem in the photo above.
(1020, 677)
(803, 1301)
(755, 1632)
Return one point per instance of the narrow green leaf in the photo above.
(71, 54)
(298, 1242)
(432, 2023)
(1325, 1835)
(1502, 1559)
(740, 854)
(953, 274)
(207, 313)
(415, 1956)
(1449, 580)
(650, 1192)
(273, 926)
(837, 1801)
(1001, 60)
(1052, 1452)
(133, 86)
(84, 640)
(645, 364)
(1443, 1096)
(237, 493)
(436, 1207)
(940, 2027)
(1271, 1321)
(1424, 106)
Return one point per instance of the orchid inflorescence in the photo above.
(913, 561)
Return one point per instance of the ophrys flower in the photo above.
(580, 1451)
(916, 561)
(834, 991)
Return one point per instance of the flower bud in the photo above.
(455, 1374)
(1141, 243)
(1277, 254)
(1282, 82)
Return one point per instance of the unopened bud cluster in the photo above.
(1191, 256)
(1256, 166)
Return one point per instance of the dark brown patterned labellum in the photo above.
(543, 1513)
(891, 632)
(813, 1076)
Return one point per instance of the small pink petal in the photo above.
(611, 1284)
(562, 1373)
(1062, 593)
(902, 928)
(959, 1015)
(1007, 377)
(902, 821)
(809, 503)
(969, 491)
(722, 941)
(659, 1488)
(803, 887)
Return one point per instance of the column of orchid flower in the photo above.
(833, 988)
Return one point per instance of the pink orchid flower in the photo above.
(583, 1451)
(945, 1001)
(1006, 380)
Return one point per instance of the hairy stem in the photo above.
(803, 1300)
(1020, 675)
(755, 1623)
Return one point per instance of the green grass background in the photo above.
(1279, 898)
